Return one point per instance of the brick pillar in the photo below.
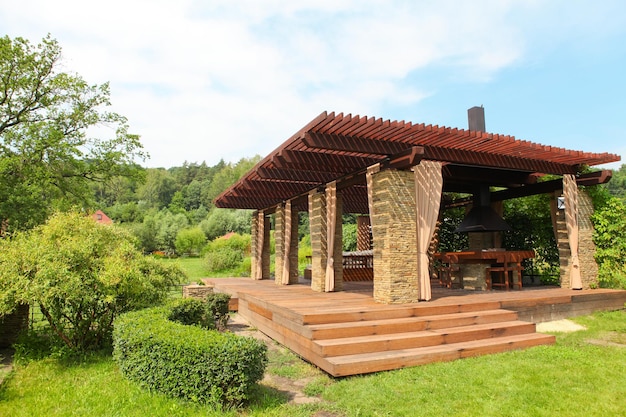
(363, 233)
(395, 237)
(254, 244)
(319, 246)
(338, 249)
(319, 242)
(279, 243)
(293, 250)
(281, 249)
(586, 247)
(255, 247)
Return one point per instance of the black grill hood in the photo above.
(482, 218)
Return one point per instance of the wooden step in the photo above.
(405, 324)
(407, 340)
(396, 359)
(342, 314)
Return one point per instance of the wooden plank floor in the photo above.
(347, 333)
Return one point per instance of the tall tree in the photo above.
(47, 157)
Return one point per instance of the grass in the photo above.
(94, 386)
(572, 378)
(194, 267)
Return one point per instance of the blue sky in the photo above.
(205, 80)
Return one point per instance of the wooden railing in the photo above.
(358, 266)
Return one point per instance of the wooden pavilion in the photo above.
(396, 172)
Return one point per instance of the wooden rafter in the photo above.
(338, 147)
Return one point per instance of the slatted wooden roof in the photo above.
(341, 147)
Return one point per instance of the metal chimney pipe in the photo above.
(476, 119)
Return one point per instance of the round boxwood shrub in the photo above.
(187, 362)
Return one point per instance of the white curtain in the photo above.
(428, 188)
(570, 192)
(331, 222)
(286, 244)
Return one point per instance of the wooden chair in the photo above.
(449, 274)
(501, 275)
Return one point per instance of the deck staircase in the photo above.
(350, 340)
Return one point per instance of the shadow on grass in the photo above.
(264, 398)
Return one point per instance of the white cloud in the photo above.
(201, 80)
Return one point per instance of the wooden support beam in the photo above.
(588, 179)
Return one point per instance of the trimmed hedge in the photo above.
(188, 362)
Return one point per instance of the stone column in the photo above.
(338, 249)
(319, 242)
(395, 237)
(260, 246)
(265, 251)
(293, 249)
(319, 247)
(255, 248)
(282, 251)
(279, 243)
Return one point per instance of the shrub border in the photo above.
(187, 362)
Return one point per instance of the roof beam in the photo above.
(324, 162)
(485, 159)
(295, 175)
(463, 174)
(588, 179)
(342, 143)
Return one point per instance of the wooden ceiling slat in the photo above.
(361, 145)
(341, 146)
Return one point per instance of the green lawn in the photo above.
(194, 267)
(582, 375)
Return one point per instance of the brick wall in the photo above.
(197, 291)
(395, 237)
(319, 242)
(319, 248)
(280, 241)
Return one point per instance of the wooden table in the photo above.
(474, 264)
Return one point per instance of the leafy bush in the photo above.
(189, 311)
(223, 259)
(349, 232)
(610, 239)
(81, 275)
(221, 221)
(187, 362)
(235, 242)
(227, 254)
(190, 241)
(212, 313)
(217, 308)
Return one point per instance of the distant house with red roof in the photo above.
(101, 218)
(228, 235)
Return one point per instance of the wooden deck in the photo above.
(347, 333)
